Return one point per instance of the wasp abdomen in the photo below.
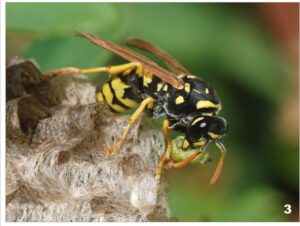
(118, 94)
(126, 90)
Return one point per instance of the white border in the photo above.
(3, 119)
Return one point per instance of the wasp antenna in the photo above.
(78, 33)
(85, 35)
(219, 167)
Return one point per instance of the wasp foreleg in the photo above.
(184, 162)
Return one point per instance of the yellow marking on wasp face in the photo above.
(119, 88)
(165, 88)
(185, 144)
(207, 104)
(191, 76)
(179, 100)
(213, 135)
(199, 143)
(109, 98)
(100, 97)
(197, 120)
(159, 86)
(187, 87)
(208, 114)
(197, 91)
(206, 91)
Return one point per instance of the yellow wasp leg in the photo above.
(110, 69)
(66, 70)
(148, 102)
(167, 154)
(184, 162)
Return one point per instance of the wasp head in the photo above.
(203, 130)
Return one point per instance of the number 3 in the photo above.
(288, 209)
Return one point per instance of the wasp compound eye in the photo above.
(218, 126)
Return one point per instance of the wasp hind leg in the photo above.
(113, 70)
(147, 103)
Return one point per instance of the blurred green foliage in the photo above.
(228, 45)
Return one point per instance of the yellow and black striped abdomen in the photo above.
(120, 93)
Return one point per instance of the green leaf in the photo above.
(252, 204)
(57, 52)
(61, 18)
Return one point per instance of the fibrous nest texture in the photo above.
(56, 166)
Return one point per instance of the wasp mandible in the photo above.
(190, 105)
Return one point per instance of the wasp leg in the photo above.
(183, 163)
(110, 69)
(167, 154)
(149, 103)
(66, 70)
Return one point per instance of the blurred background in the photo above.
(248, 52)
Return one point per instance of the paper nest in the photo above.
(56, 167)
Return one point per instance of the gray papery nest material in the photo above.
(56, 167)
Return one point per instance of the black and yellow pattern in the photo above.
(115, 93)
(189, 103)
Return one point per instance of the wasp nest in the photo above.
(56, 167)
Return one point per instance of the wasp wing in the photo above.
(132, 56)
(170, 61)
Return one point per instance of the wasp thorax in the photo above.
(203, 91)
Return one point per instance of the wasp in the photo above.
(190, 105)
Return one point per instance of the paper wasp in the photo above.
(189, 103)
